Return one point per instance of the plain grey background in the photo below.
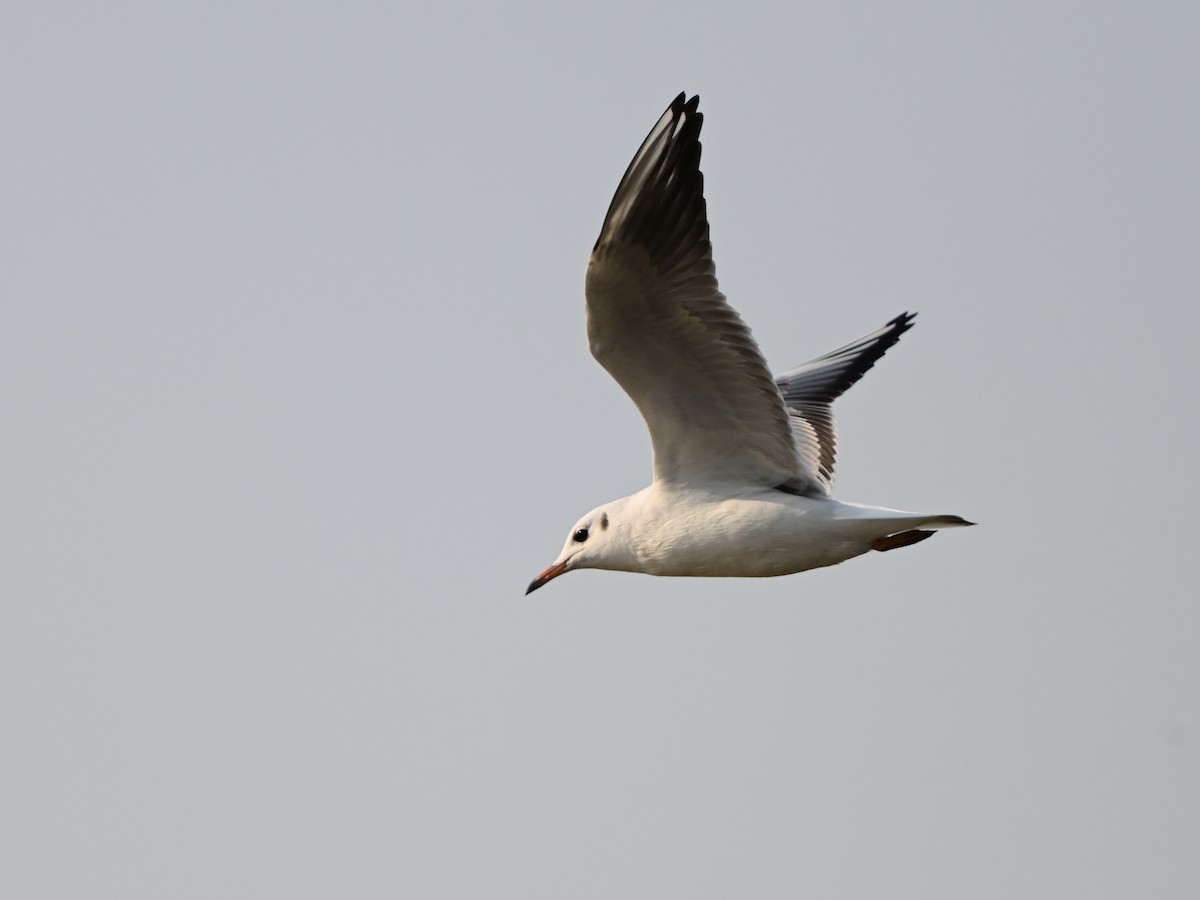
(296, 400)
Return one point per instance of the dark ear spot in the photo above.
(603, 521)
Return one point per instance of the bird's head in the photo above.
(591, 544)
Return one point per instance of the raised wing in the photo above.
(810, 389)
(659, 325)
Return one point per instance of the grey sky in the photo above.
(297, 400)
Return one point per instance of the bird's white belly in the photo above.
(747, 537)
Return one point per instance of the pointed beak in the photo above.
(553, 572)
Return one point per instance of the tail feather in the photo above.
(947, 521)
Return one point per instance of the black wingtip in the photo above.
(903, 322)
(842, 367)
(659, 201)
(682, 105)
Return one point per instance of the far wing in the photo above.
(810, 389)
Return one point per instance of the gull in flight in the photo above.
(743, 462)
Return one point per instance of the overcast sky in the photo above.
(297, 399)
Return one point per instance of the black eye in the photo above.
(580, 535)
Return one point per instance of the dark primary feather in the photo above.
(661, 195)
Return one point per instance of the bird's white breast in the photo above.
(755, 533)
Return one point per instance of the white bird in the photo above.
(743, 462)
